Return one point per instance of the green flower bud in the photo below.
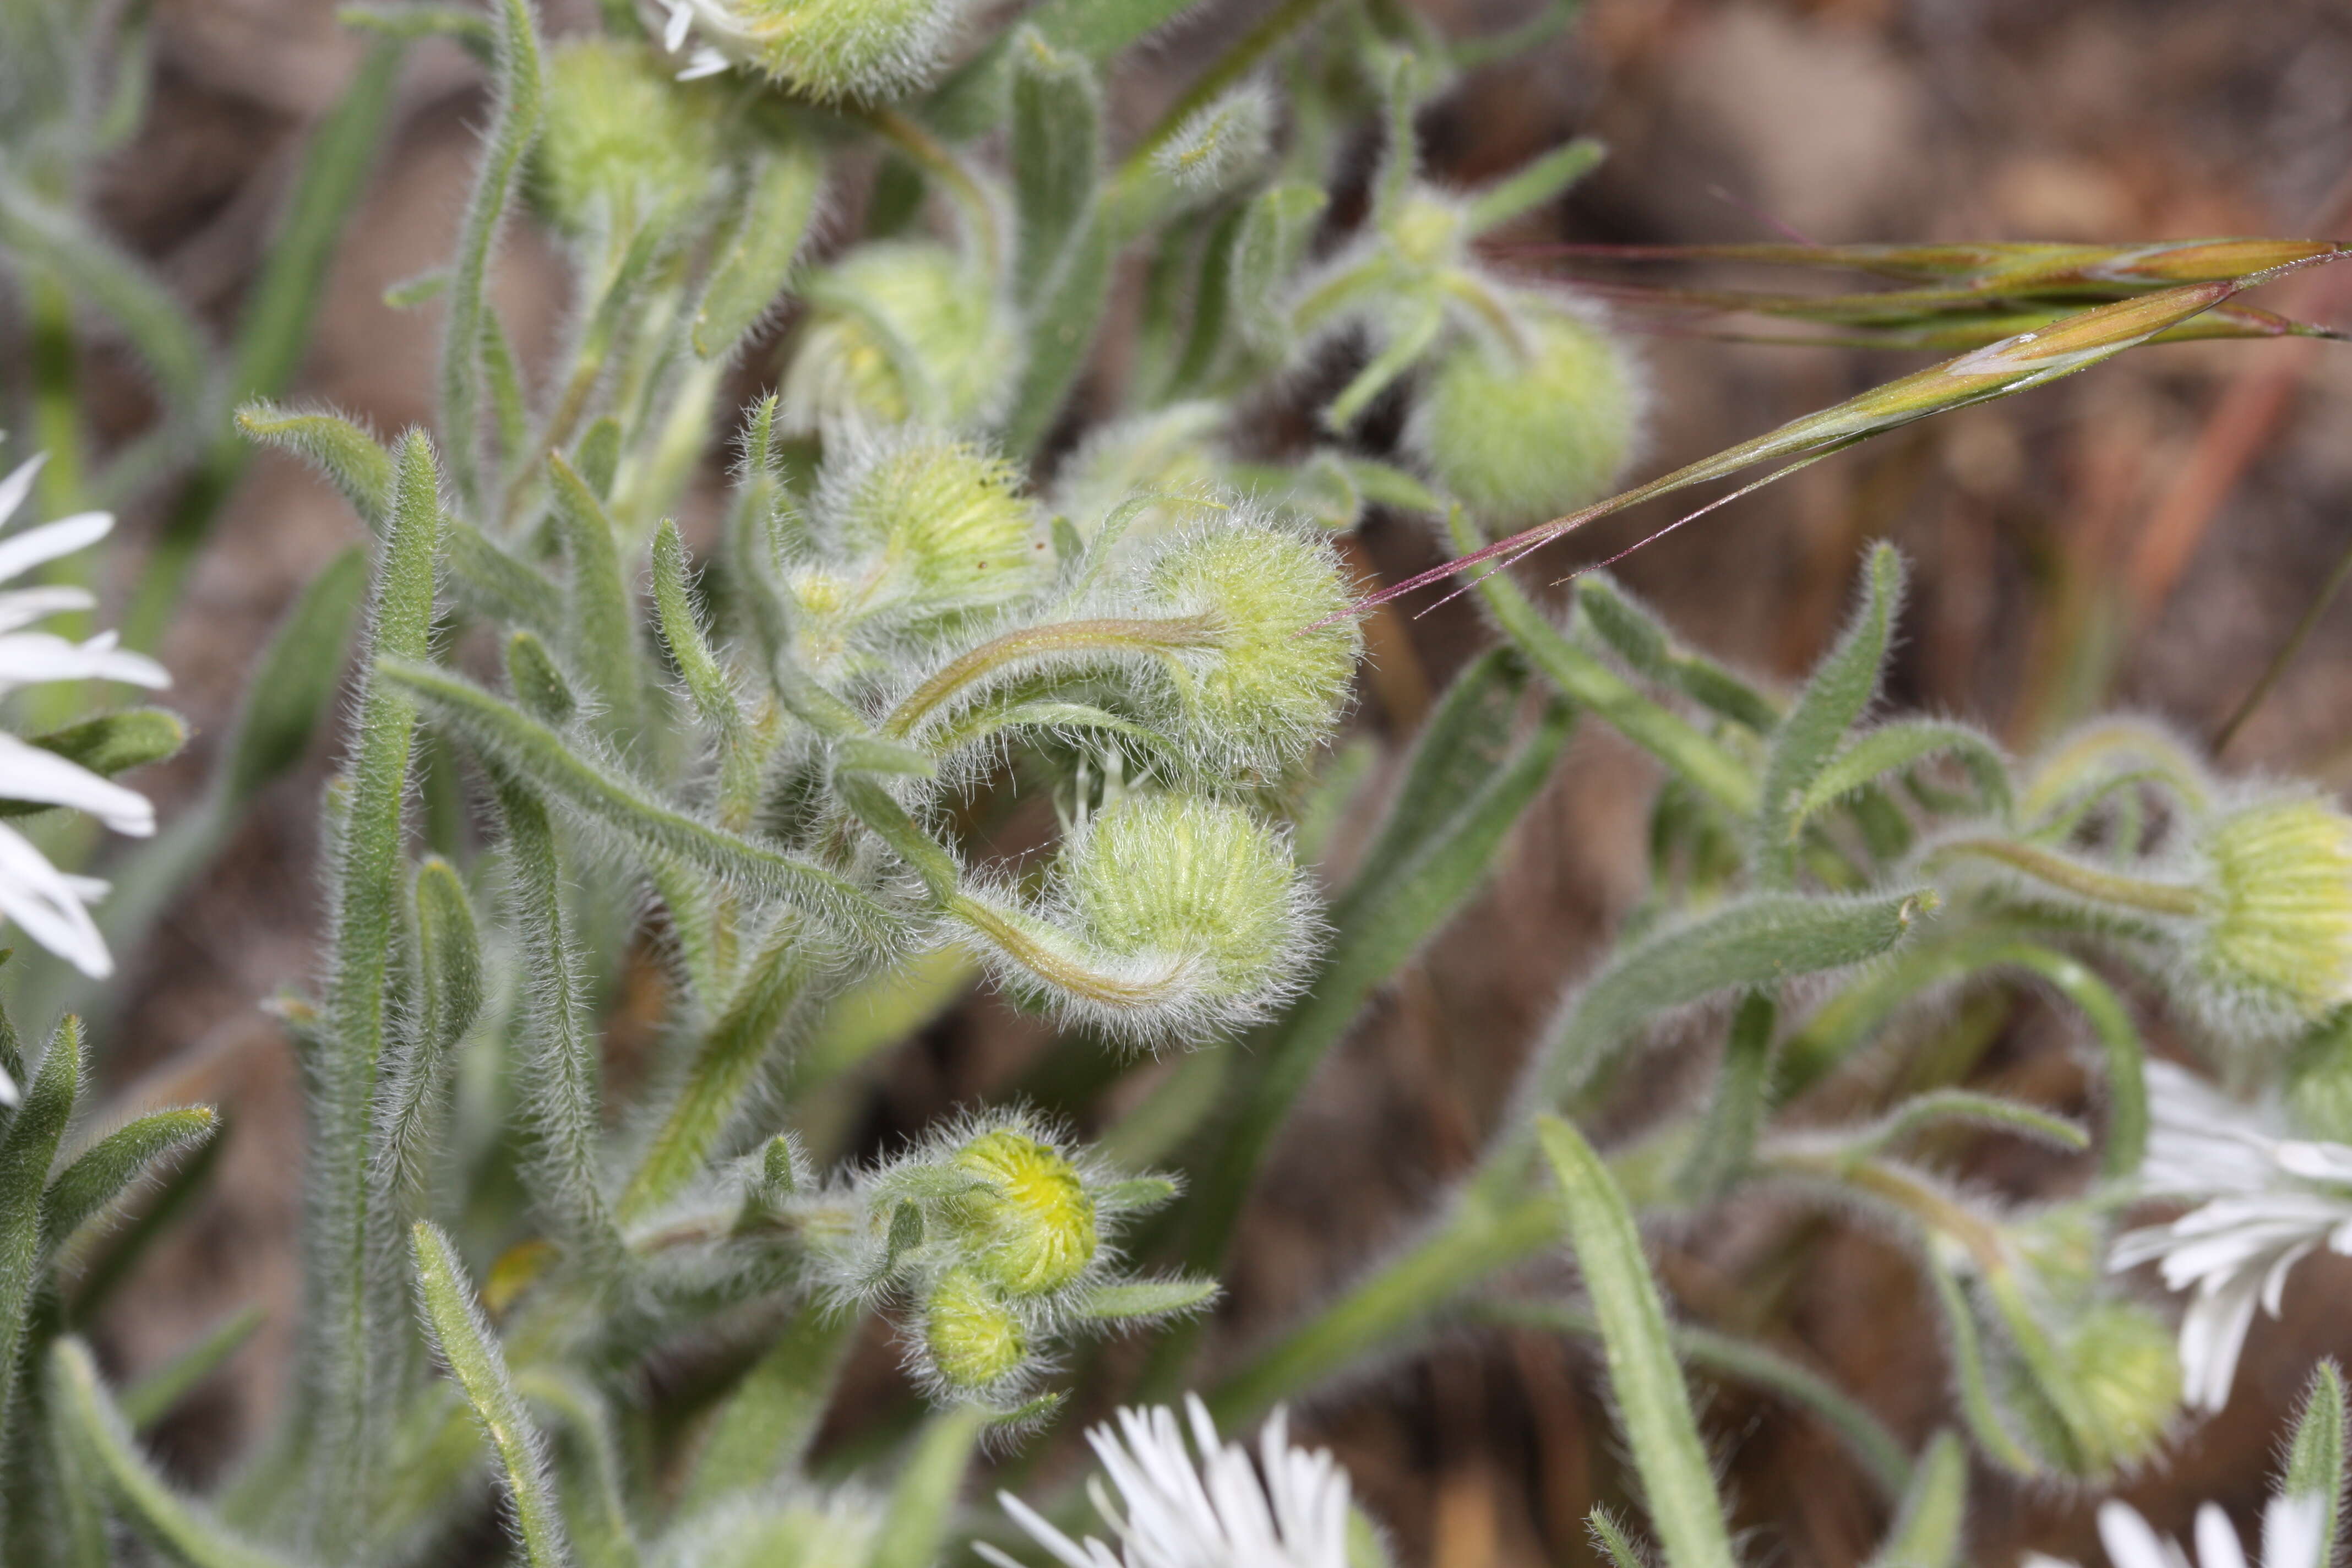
(2119, 1391)
(621, 144)
(925, 526)
(1167, 452)
(825, 49)
(2277, 928)
(901, 330)
(1203, 879)
(2319, 1080)
(1427, 229)
(975, 1342)
(1031, 1216)
(1522, 433)
(1272, 681)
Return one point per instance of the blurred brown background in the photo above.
(2147, 531)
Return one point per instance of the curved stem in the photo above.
(2074, 877)
(1104, 635)
(2093, 747)
(1060, 969)
(929, 154)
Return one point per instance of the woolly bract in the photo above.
(901, 330)
(1523, 432)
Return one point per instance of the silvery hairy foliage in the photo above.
(728, 702)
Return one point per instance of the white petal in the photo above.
(28, 772)
(703, 63)
(2318, 1161)
(2217, 1545)
(47, 906)
(23, 551)
(1041, 1531)
(23, 606)
(28, 658)
(19, 484)
(2213, 1333)
(8, 1094)
(681, 18)
(2291, 1528)
(2129, 1542)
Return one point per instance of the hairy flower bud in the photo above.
(825, 49)
(2277, 922)
(1029, 1215)
(2319, 1080)
(1524, 432)
(922, 527)
(1188, 874)
(901, 330)
(2117, 1390)
(975, 1342)
(621, 142)
(1283, 649)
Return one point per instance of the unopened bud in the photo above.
(1030, 1216)
(1525, 432)
(2278, 907)
(828, 49)
(1188, 876)
(1284, 647)
(621, 144)
(901, 330)
(2120, 1391)
(976, 1342)
(927, 524)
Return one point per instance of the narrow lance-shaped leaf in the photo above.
(349, 1306)
(106, 745)
(2014, 365)
(1147, 1298)
(537, 754)
(1841, 687)
(706, 680)
(922, 1503)
(562, 1098)
(1760, 940)
(1930, 1527)
(27, 1151)
(1533, 184)
(449, 998)
(115, 1164)
(766, 1424)
(1728, 1140)
(512, 131)
(472, 1355)
(1056, 153)
(181, 1529)
(1644, 1379)
(755, 260)
(603, 620)
(1643, 641)
(1069, 310)
(2315, 1464)
(1893, 747)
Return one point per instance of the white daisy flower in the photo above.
(2266, 1200)
(2292, 1528)
(47, 903)
(1290, 1511)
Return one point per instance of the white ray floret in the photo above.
(49, 905)
(2266, 1201)
(1219, 1511)
(2293, 1528)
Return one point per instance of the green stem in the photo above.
(2074, 877)
(931, 155)
(1107, 636)
(1478, 1239)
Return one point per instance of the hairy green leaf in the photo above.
(777, 205)
(1930, 1527)
(1057, 157)
(1643, 1376)
(114, 1165)
(472, 1355)
(1841, 687)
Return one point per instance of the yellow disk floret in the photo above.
(1030, 1216)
